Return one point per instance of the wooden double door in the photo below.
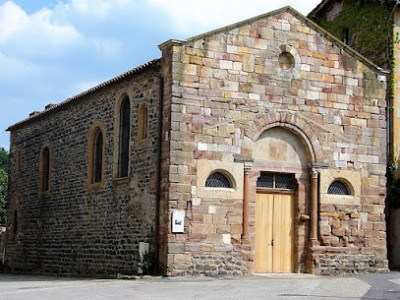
(274, 232)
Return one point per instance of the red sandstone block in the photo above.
(379, 226)
(192, 247)
(183, 259)
(376, 243)
(339, 231)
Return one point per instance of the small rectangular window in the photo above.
(346, 36)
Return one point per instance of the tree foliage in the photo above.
(3, 159)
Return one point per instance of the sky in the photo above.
(51, 50)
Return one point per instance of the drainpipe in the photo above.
(246, 199)
(389, 113)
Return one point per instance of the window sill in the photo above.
(45, 194)
(121, 180)
(96, 186)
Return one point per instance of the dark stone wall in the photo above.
(79, 229)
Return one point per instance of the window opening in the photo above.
(218, 180)
(45, 170)
(286, 60)
(15, 223)
(338, 188)
(346, 36)
(98, 157)
(124, 131)
(276, 181)
(143, 122)
(18, 162)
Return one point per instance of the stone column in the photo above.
(246, 199)
(314, 208)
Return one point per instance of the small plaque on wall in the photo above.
(178, 221)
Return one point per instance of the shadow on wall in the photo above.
(2, 245)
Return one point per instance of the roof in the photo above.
(317, 9)
(298, 15)
(51, 108)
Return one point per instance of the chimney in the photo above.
(49, 106)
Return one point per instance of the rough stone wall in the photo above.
(228, 87)
(78, 229)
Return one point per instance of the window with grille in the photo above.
(218, 180)
(276, 181)
(338, 188)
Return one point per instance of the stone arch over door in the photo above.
(285, 150)
(294, 122)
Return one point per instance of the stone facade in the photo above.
(270, 97)
(230, 91)
(76, 228)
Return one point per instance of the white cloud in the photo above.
(85, 85)
(15, 68)
(98, 8)
(36, 35)
(12, 17)
(190, 15)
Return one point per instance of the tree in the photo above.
(3, 196)
(3, 159)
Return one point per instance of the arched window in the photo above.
(97, 161)
(143, 122)
(218, 180)
(44, 170)
(124, 138)
(338, 187)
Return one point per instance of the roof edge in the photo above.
(56, 107)
(238, 24)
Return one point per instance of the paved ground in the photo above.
(376, 286)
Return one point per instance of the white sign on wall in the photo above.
(178, 221)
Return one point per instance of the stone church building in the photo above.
(259, 147)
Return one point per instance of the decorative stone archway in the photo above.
(283, 143)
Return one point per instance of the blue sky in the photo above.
(51, 50)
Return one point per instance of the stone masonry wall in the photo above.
(228, 87)
(78, 229)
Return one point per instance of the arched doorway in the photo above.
(281, 160)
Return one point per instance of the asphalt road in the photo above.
(374, 286)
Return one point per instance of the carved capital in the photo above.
(247, 167)
(313, 173)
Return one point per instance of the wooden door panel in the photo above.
(282, 233)
(264, 218)
(274, 232)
